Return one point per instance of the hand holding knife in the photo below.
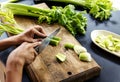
(46, 41)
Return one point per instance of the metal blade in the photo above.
(46, 41)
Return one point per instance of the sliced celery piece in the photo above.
(79, 49)
(56, 38)
(54, 42)
(69, 45)
(61, 57)
(85, 56)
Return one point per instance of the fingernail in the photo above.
(39, 42)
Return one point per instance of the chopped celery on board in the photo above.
(80, 51)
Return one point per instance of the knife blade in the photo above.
(46, 41)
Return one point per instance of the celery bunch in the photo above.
(100, 9)
(72, 20)
(7, 23)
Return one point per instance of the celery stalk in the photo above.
(54, 42)
(1, 31)
(56, 38)
(10, 29)
(75, 2)
(12, 1)
(21, 9)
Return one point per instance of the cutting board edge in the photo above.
(31, 74)
(83, 76)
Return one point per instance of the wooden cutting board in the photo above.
(46, 68)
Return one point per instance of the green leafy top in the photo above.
(73, 20)
(100, 9)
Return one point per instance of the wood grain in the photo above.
(46, 68)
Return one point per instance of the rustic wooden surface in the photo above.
(46, 68)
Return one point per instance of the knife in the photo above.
(46, 41)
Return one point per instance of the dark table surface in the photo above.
(109, 63)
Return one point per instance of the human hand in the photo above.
(28, 35)
(24, 54)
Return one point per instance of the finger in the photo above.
(35, 54)
(37, 40)
(40, 29)
(35, 44)
(39, 33)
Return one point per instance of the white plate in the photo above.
(95, 33)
